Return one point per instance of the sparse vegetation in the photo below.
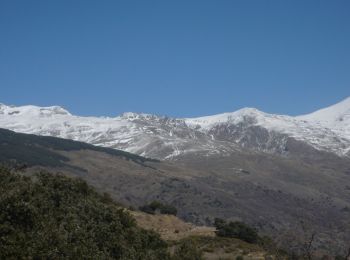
(222, 247)
(188, 250)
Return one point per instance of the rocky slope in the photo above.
(167, 138)
(287, 197)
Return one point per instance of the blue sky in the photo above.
(177, 58)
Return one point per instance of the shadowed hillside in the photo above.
(40, 150)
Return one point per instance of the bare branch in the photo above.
(308, 248)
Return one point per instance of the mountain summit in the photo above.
(167, 138)
(335, 114)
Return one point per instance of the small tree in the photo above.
(236, 229)
(147, 209)
(168, 209)
(219, 223)
(156, 206)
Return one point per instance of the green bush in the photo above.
(147, 209)
(155, 206)
(187, 250)
(168, 209)
(338, 257)
(55, 217)
(236, 229)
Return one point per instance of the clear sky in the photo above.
(179, 58)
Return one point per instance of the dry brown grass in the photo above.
(171, 227)
(175, 230)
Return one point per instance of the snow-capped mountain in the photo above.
(336, 117)
(165, 138)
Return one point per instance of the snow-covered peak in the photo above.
(163, 137)
(336, 118)
(30, 110)
(335, 114)
(230, 117)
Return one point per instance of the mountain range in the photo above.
(164, 137)
(287, 176)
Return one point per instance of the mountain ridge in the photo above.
(143, 133)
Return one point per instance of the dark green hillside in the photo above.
(40, 150)
(50, 216)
